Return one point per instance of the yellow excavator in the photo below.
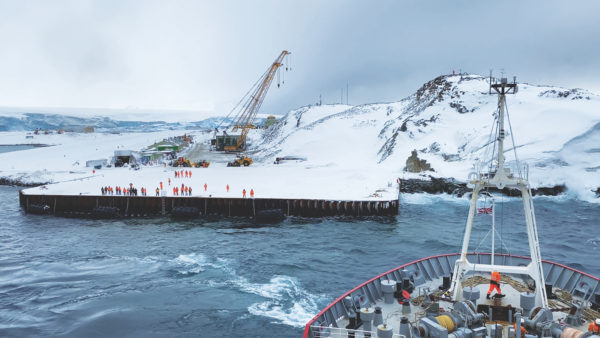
(246, 114)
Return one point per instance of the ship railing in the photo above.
(328, 331)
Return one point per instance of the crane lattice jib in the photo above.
(255, 100)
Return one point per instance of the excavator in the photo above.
(247, 112)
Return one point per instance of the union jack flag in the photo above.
(484, 210)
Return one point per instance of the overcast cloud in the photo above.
(204, 55)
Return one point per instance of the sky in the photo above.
(203, 56)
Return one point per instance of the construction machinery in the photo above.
(240, 161)
(182, 162)
(247, 112)
(202, 164)
(186, 163)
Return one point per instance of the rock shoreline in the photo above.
(453, 187)
(18, 183)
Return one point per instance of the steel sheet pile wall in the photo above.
(131, 206)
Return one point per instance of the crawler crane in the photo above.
(246, 114)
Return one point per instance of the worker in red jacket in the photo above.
(494, 285)
(595, 326)
(523, 331)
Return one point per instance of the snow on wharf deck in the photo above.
(349, 191)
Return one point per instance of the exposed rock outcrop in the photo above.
(435, 185)
(13, 182)
(415, 165)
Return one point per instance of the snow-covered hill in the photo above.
(448, 121)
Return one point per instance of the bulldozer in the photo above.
(241, 160)
(201, 164)
(182, 162)
(186, 163)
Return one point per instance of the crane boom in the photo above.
(245, 117)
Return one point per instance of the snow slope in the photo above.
(448, 121)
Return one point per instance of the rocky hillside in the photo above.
(448, 122)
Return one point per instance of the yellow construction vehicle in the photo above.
(186, 163)
(182, 162)
(246, 114)
(241, 160)
(201, 164)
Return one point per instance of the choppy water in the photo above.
(223, 278)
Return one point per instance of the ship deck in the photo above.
(392, 313)
(568, 285)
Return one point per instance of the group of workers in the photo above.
(185, 191)
(183, 173)
(244, 192)
(594, 326)
(177, 191)
(122, 191)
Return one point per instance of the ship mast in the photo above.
(501, 176)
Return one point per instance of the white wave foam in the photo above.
(192, 258)
(571, 196)
(594, 242)
(424, 198)
(195, 263)
(288, 303)
(298, 315)
(145, 259)
(278, 287)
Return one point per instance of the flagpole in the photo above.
(493, 228)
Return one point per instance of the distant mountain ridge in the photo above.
(33, 121)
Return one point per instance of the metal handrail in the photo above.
(518, 170)
(328, 331)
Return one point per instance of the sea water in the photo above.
(228, 277)
(6, 148)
